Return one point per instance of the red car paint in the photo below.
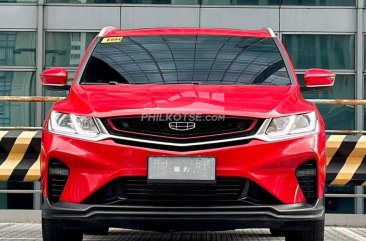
(107, 101)
(271, 165)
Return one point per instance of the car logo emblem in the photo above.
(182, 126)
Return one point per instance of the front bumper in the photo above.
(271, 165)
(284, 216)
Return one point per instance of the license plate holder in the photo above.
(181, 169)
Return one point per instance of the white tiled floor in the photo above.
(33, 232)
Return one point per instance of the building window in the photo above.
(320, 2)
(240, 2)
(175, 2)
(17, 48)
(18, 52)
(282, 2)
(159, 1)
(17, 83)
(218, 2)
(364, 53)
(322, 51)
(65, 49)
(18, 1)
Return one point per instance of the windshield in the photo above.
(186, 59)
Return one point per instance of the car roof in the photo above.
(112, 32)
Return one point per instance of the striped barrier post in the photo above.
(346, 160)
(19, 158)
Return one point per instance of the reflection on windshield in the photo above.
(187, 59)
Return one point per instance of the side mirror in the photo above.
(55, 79)
(319, 78)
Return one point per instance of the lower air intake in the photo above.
(57, 178)
(307, 177)
(138, 191)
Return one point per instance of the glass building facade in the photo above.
(39, 34)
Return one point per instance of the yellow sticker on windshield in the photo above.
(112, 40)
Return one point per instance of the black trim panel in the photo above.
(286, 216)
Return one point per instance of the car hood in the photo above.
(238, 100)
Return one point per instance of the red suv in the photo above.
(184, 129)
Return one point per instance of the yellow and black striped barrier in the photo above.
(19, 158)
(346, 160)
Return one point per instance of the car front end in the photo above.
(184, 156)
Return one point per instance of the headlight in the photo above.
(70, 124)
(291, 125)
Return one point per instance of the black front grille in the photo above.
(159, 125)
(160, 130)
(57, 178)
(138, 191)
(307, 177)
(140, 128)
(224, 190)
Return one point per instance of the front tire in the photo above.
(314, 233)
(54, 231)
